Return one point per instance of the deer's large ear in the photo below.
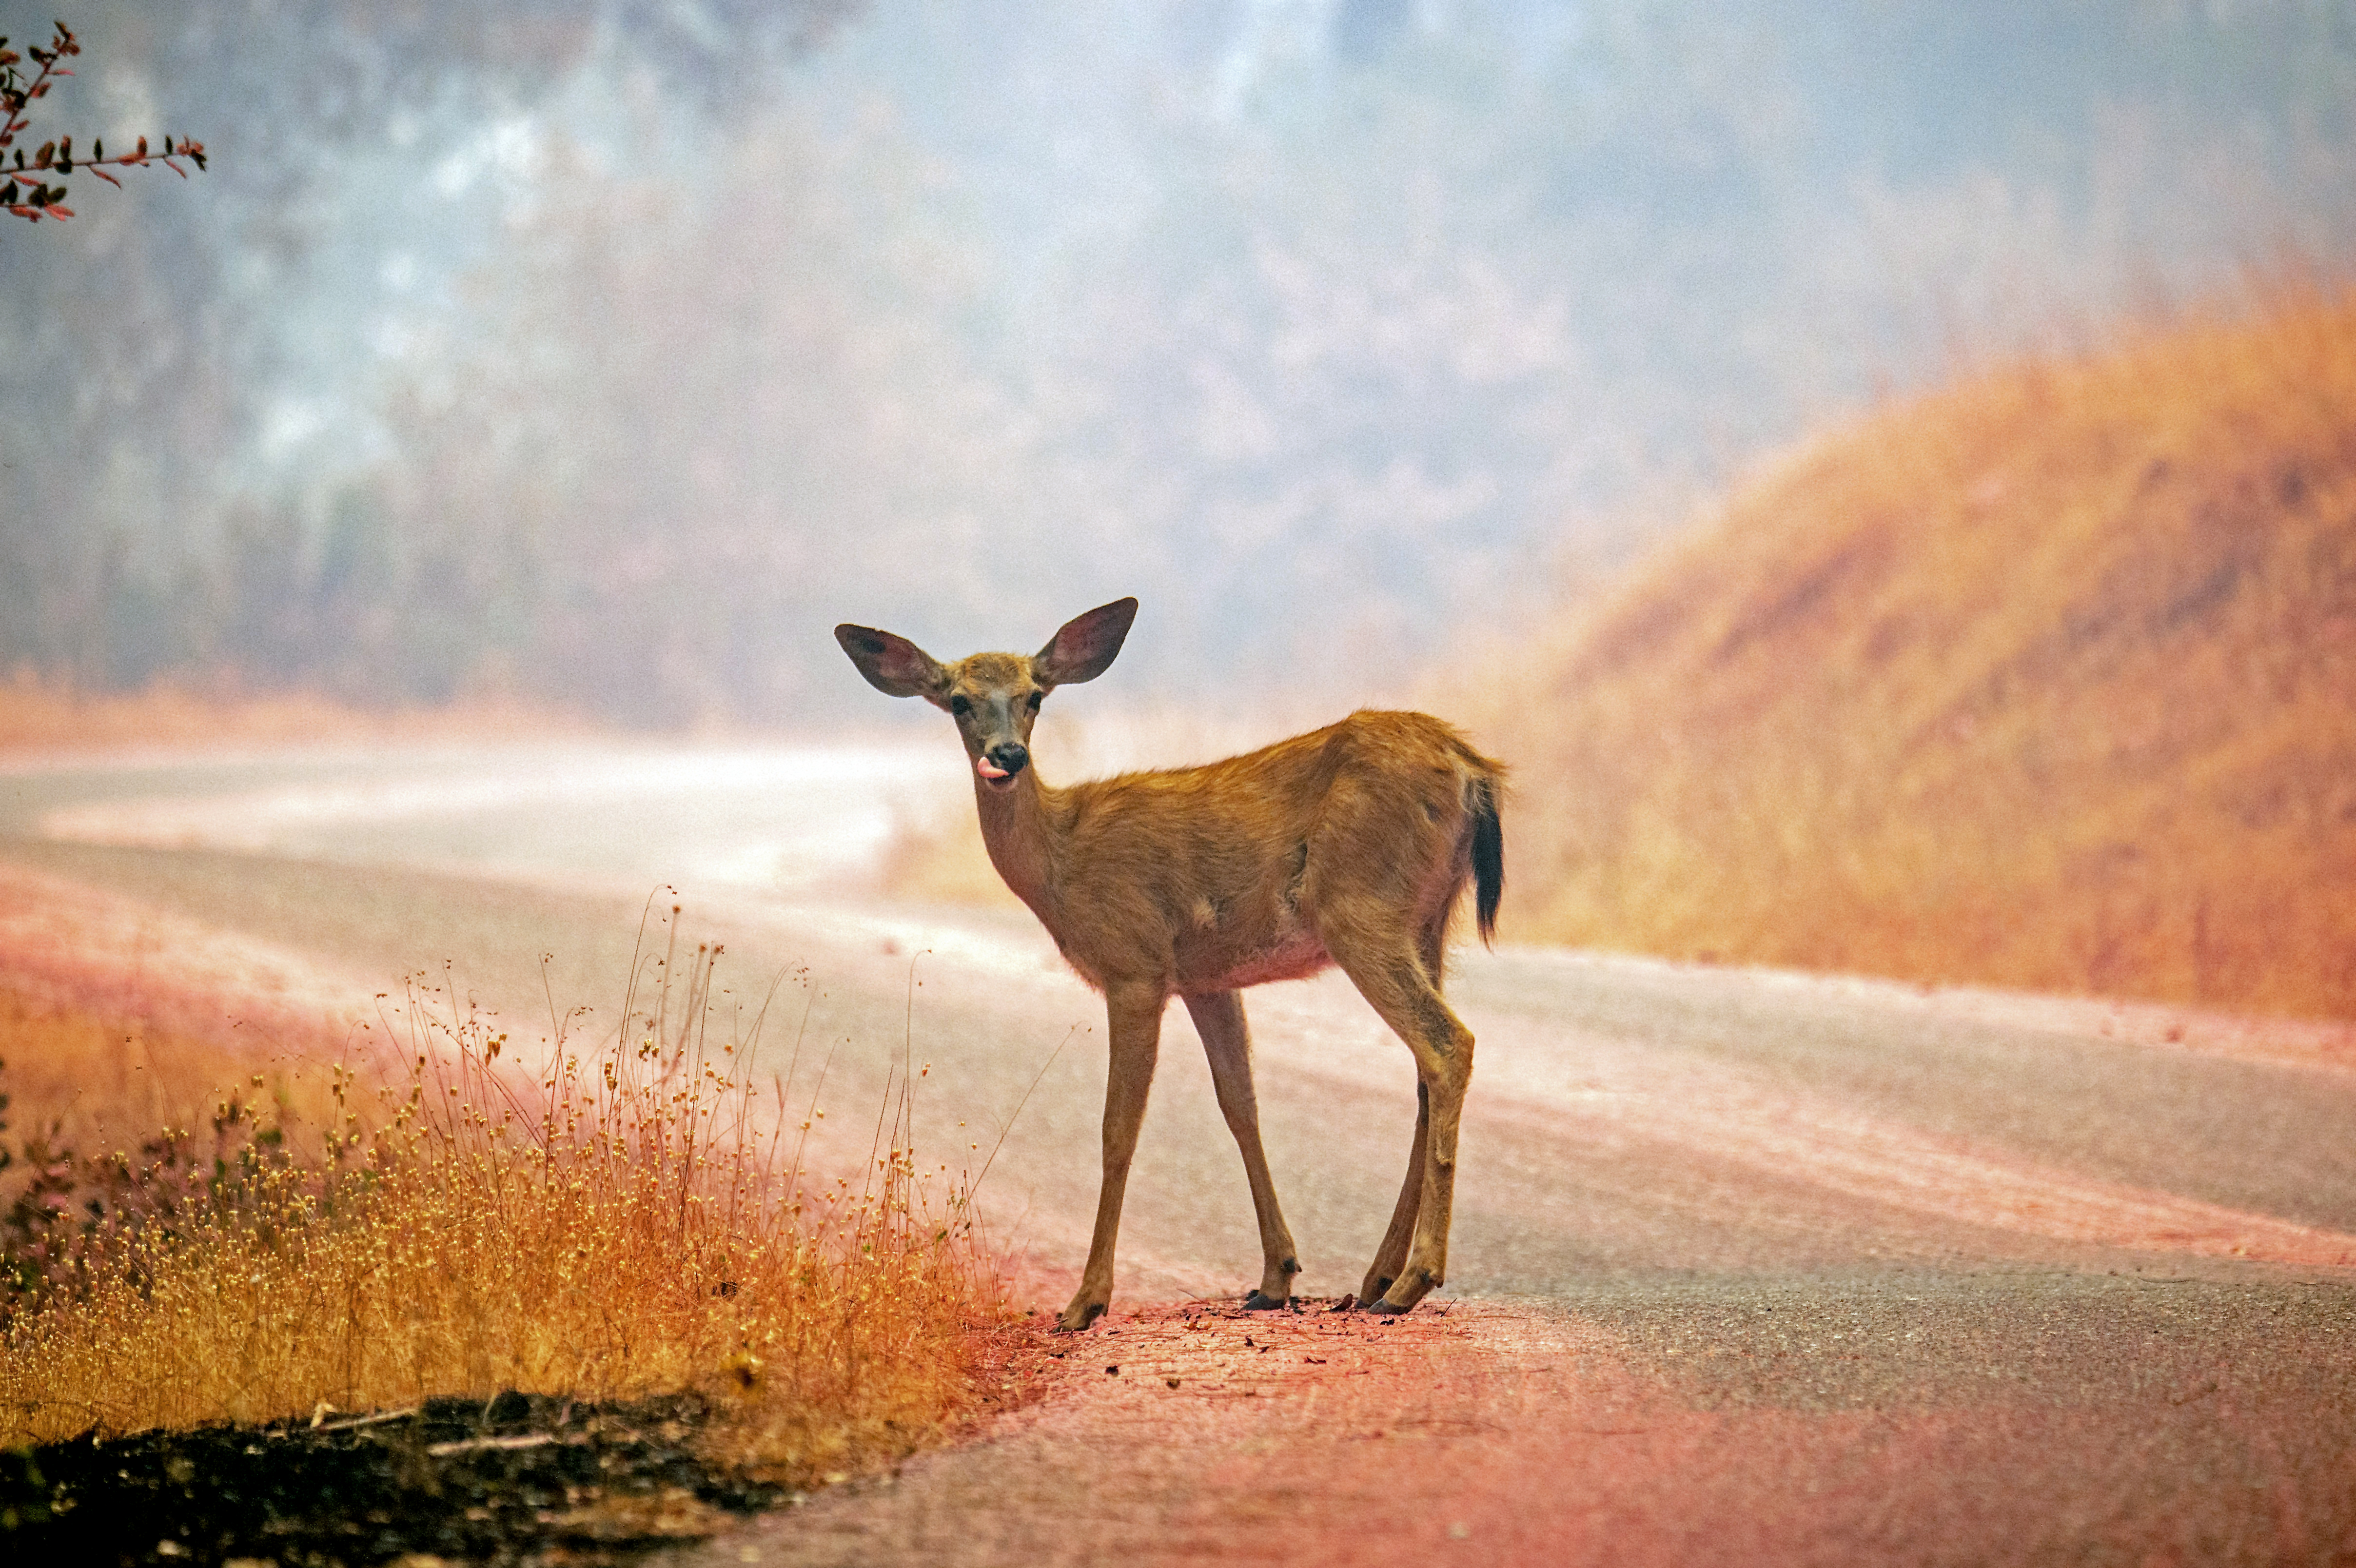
(893, 665)
(1086, 645)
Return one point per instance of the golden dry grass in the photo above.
(84, 1081)
(2048, 680)
(611, 1223)
(42, 715)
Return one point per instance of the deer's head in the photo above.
(994, 697)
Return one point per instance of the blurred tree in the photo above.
(253, 342)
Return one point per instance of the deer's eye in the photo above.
(1036, 698)
(960, 706)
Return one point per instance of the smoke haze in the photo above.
(610, 355)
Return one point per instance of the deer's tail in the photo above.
(1483, 840)
(1488, 854)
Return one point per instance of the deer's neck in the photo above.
(1019, 828)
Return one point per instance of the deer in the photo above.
(1348, 846)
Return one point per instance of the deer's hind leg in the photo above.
(1220, 1018)
(1391, 1258)
(1391, 976)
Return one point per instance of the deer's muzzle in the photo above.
(1000, 763)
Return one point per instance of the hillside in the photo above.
(2048, 680)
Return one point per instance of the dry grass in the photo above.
(608, 1224)
(84, 1081)
(38, 715)
(2048, 680)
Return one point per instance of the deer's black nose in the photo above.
(1010, 755)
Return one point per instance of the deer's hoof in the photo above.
(1259, 1302)
(1077, 1317)
(1382, 1308)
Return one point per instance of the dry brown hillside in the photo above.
(2048, 680)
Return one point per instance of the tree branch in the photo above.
(24, 190)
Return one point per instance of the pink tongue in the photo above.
(983, 766)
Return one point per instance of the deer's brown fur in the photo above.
(1345, 846)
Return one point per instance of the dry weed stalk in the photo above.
(616, 1221)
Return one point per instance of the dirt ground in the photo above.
(1748, 1266)
(1937, 1419)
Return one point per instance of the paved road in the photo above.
(1748, 1265)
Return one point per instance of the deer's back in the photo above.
(1227, 874)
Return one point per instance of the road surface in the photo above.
(1746, 1265)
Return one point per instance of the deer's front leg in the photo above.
(1220, 1018)
(1134, 1015)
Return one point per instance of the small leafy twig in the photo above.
(24, 190)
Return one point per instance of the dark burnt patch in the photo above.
(520, 1479)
